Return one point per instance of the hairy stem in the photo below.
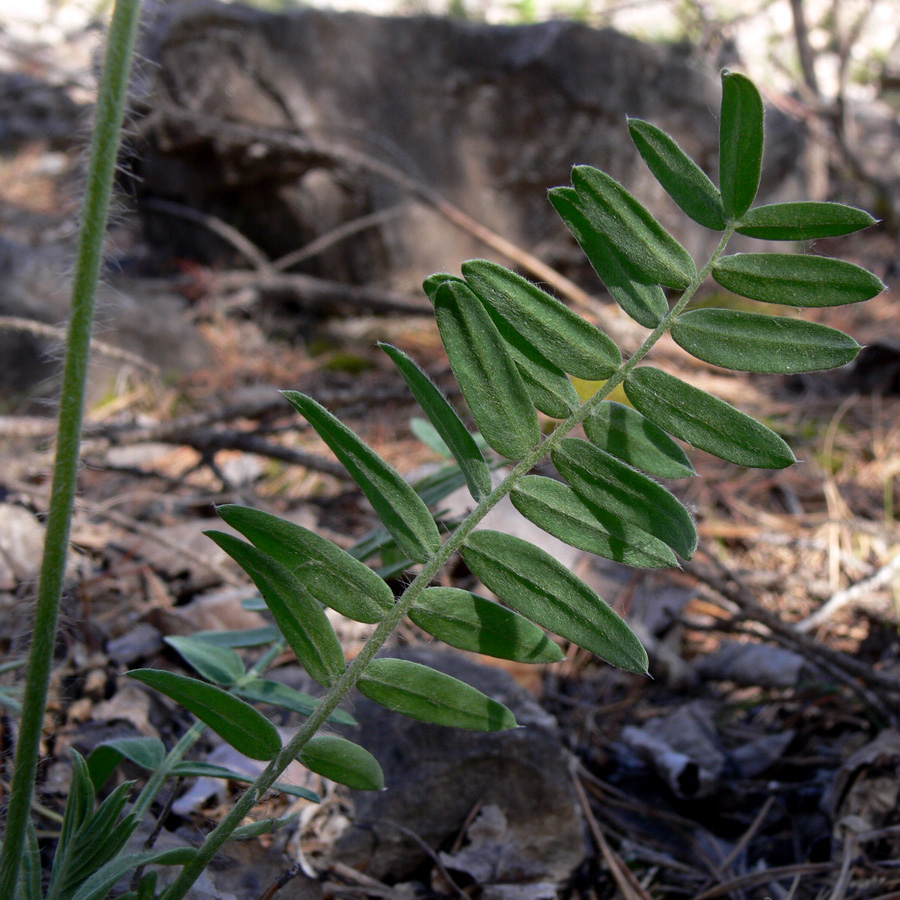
(95, 212)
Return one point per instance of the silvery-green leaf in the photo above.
(532, 582)
(624, 432)
(560, 335)
(433, 282)
(705, 421)
(241, 637)
(219, 664)
(465, 620)
(342, 761)
(329, 573)
(148, 753)
(741, 138)
(620, 495)
(300, 618)
(200, 769)
(447, 423)
(422, 693)
(397, 504)
(685, 182)
(557, 509)
(487, 375)
(235, 721)
(263, 690)
(632, 230)
(804, 220)
(794, 279)
(644, 300)
(754, 342)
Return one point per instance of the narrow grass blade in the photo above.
(642, 299)
(447, 423)
(342, 761)
(465, 620)
(557, 509)
(805, 220)
(633, 438)
(685, 182)
(632, 230)
(568, 341)
(793, 279)
(705, 421)
(397, 504)
(329, 573)
(620, 494)
(422, 693)
(263, 690)
(299, 616)
(754, 342)
(741, 138)
(532, 582)
(235, 721)
(219, 664)
(487, 375)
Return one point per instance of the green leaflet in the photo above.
(261, 827)
(102, 881)
(329, 573)
(148, 753)
(199, 769)
(262, 690)
(240, 637)
(235, 721)
(422, 693)
(624, 432)
(397, 504)
(487, 376)
(219, 664)
(632, 230)
(342, 761)
(620, 494)
(433, 282)
(796, 280)
(705, 421)
(557, 509)
(534, 583)
(805, 220)
(755, 342)
(465, 620)
(560, 335)
(302, 621)
(447, 423)
(685, 182)
(741, 138)
(644, 301)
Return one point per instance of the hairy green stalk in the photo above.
(393, 617)
(95, 212)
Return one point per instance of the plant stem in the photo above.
(95, 211)
(386, 626)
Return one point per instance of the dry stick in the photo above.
(766, 876)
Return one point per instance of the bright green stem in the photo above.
(95, 211)
(348, 679)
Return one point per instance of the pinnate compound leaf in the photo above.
(487, 375)
(804, 220)
(148, 753)
(633, 438)
(794, 279)
(200, 769)
(557, 509)
(342, 761)
(329, 573)
(705, 421)
(754, 342)
(532, 582)
(447, 423)
(263, 690)
(235, 721)
(632, 230)
(642, 299)
(620, 494)
(465, 620)
(422, 693)
(741, 138)
(299, 616)
(219, 664)
(568, 341)
(397, 504)
(685, 182)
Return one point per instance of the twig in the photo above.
(764, 877)
(286, 876)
